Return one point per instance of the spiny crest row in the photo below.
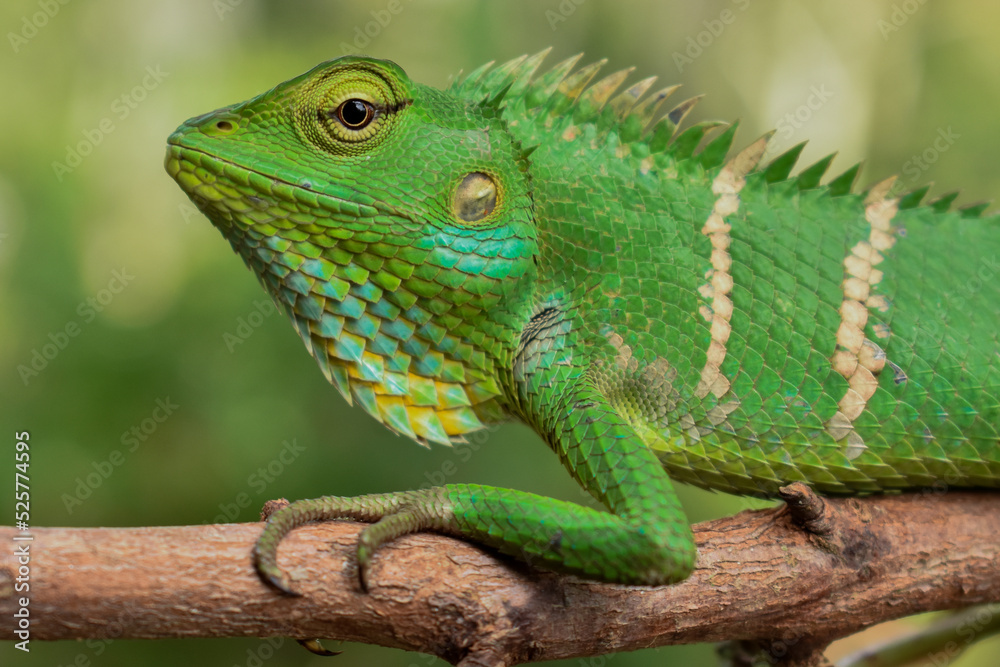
(557, 92)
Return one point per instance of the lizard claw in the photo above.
(314, 646)
(266, 566)
(364, 556)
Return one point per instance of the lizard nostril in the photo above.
(224, 126)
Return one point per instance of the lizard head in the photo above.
(390, 220)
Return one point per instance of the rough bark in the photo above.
(791, 579)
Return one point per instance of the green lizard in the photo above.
(536, 246)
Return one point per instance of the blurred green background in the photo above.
(165, 314)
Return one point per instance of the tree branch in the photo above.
(760, 578)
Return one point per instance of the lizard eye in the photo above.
(353, 119)
(355, 114)
(349, 108)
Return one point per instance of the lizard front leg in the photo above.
(645, 539)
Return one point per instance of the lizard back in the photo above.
(755, 328)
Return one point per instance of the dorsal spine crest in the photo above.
(634, 116)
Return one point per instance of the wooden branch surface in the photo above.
(759, 577)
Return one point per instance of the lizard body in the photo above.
(536, 246)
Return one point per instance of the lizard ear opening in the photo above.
(475, 197)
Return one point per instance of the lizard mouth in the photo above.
(200, 174)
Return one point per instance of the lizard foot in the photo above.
(391, 515)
